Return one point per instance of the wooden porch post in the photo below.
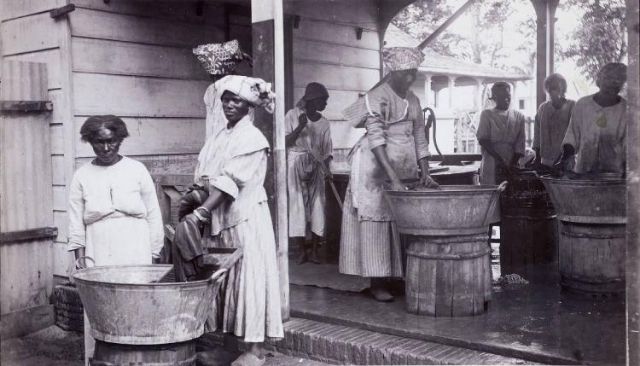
(552, 5)
(540, 7)
(633, 188)
(477, 101)
(450, 87)
(427, 90)
(268, 63)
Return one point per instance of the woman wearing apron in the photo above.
(393, 149)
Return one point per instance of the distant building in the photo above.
(457, 90)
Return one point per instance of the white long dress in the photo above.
(235, 160)
(114, 214)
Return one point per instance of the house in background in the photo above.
(457, 90)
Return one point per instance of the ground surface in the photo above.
(538, 322)
(56, 347)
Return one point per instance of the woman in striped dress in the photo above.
(393, 148)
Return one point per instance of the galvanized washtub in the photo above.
(125, 305)
(450, 210)
(591, 250)
(601, 201)
(448, 269)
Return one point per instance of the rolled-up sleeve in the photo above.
(239, 170)
(77, 237)
(419, 134)
(375, 132)
(154, 216)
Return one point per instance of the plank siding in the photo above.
(10, 9)
(122, 58)
(326, 50)
(212, 13)
(135, 61)
(137, 96)
(130, 28)
(42, 31)
(155, 136)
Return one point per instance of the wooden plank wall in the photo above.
(26, 201)
(135, 61)
(326, 50)
(28, 33)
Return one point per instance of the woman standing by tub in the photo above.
(114, 216)
(234, 213)
(393, 148)
(501, 136)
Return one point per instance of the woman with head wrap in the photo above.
(501, 136)
(551, 122)
(309, 148)
(596, 135)
(393, 148)
(231, 168)
(114, 216)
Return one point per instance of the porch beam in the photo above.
(267, 21)
(445, 25)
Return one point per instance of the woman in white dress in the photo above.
(114, 216)
(232, 166)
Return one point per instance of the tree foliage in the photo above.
(484, 46)
(600, 37)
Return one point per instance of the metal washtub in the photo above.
(126, 305)
(450, 210)
(584, 201)
(448, 270)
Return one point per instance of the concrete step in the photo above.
(345, 345)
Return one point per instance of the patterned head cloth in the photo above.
(402, 58)
(254, 90)
(219, 58)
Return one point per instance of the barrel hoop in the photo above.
(606, 220)
(449, 256)
(590, 279)
(592, 236)
(530, 218)
(446, 239)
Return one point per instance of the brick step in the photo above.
(345, 345)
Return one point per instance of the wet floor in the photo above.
(539, 321)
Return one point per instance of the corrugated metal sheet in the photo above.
(25, 191)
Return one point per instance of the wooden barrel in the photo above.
(528, 228)
(592, 257)
(448, 275)
(111, 354)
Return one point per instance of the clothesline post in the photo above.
(267, 20)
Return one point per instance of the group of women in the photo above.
(584, 138)
(115, 217)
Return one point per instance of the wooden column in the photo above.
(268, 63)
(427, 90)
(540, 7)
(477, 101)
(633, 188)
(552, 5)
(450, 87)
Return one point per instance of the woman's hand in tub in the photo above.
(428, 182)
